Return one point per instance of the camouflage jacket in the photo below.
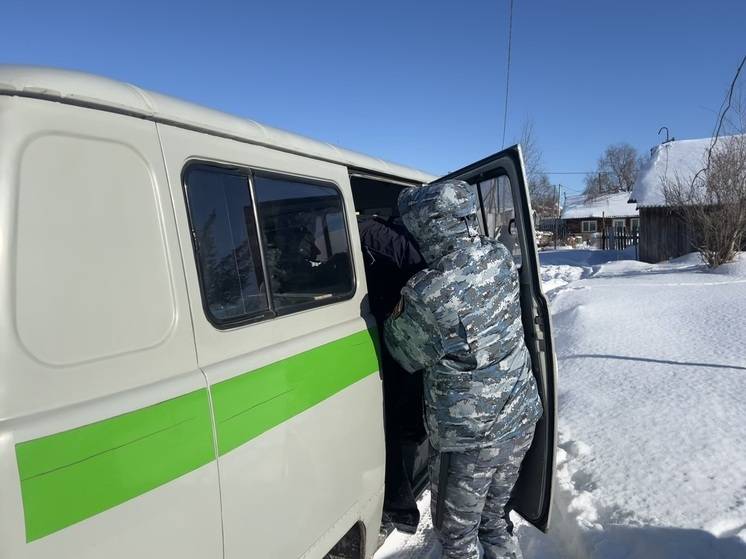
(460, 321)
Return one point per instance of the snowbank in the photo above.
(652, 372)
(554, 277)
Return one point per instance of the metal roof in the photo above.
(79, 88)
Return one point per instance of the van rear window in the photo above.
(301, 259)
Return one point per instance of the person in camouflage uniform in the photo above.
(459, 320)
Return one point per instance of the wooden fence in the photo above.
(616, 239)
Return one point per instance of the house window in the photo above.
(618, 225)
(589, 226)
(635, 224)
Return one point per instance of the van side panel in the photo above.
(297, 399)
(106, 434)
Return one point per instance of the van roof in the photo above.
(79, 88)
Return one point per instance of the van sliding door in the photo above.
(505, 214)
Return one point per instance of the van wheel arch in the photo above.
(351, 545)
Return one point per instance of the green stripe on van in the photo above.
(73, 475)
(249, 404)
(70, 476)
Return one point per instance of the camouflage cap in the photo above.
(441, 216)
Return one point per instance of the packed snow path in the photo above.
(652, 402)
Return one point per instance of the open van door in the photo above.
(505, 214)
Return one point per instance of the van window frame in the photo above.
(263, 173)
(250, 173)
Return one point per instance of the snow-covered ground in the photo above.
(652, 407)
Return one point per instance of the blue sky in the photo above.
(419, 83)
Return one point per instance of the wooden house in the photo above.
(590, 217)
(663, 234)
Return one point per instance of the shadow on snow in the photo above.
(648, 360)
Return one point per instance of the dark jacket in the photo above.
(391, 258)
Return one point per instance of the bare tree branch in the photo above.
(712, 203)
(721, 118)
(713, 208)
(543, 198)
(617, 171)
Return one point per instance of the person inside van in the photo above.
(391, 257)
(459, 320)
(298, 270)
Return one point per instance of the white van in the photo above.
(187, 363)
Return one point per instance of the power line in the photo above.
(507, 71)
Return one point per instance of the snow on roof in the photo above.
(94, 91)
(608, 205)
(678, 159)
(675, 160)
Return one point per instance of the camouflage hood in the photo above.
(442, 217)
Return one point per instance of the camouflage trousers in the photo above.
(472, 488)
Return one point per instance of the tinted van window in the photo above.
(307, 249)
(225, 238)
